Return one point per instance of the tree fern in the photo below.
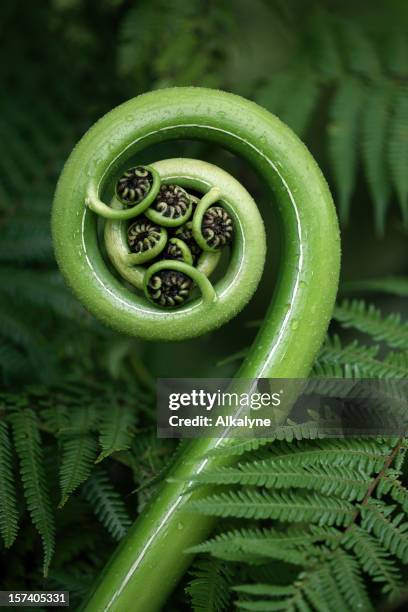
(107, 504)
(30, 452)
(8, 506)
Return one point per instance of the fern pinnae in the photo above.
(374, 559)
(107, 504)
(209, 590)
(354, 360)
(348, 575)
(368, 319)
(8, 506)
(284, 433)
(285, 506)
(390, 484)
(29, 449)
(79, 449)
(116, 428)
(344, 482)
(392, 532)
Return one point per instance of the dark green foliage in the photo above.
(107, 504)
(29, 449)
(332, 542)
(8, 505)
(209, 590)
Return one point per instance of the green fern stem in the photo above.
(152, 557)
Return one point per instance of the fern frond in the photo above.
(374, 559)
(313, 591)
(287, 507)
(209, 589)
(116, 428)
(288, 433)
(391, 532)
(107, 504)
(344, 482)
(79, 450)
(343, 137)
(390, 484)
(364, 454)
(292, 546)
(368, 319)
(8, 506)
(348, 576)
(359, 361)
(29, 449)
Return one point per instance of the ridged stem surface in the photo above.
(151, 559)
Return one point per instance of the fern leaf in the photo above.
(347, 573)
(116, 429)
(209, 589)
(398, 149)
(8, 506)
(358, 361)
(288, 433)
(291, 546)
(287, 507)
(392, 486)
(361, 454)
(79, 450)
(344, 482)
(374, 559)
(392, 533)
(374, 140)
(107, 504)
(368, 319)
(343, 137)
(29, 450)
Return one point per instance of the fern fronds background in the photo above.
(322, 523)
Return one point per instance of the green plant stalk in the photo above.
(151, 559)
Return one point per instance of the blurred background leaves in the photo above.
(335, 70)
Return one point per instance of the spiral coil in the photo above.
(139, 299)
